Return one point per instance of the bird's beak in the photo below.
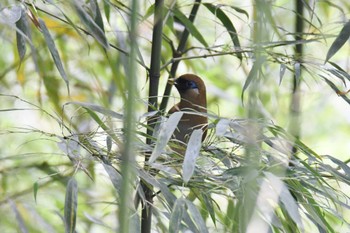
(172, 81)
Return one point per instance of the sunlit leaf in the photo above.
(54, 53)
(240, 10)
(22, 26)
(99, 109)
(190, 27)
(339, 41)
(107, 9)
(149, 12)
(177, 215)
(97, 14)
(91, 25)
(10, 15)
(253, 74)
(114, 176)
(225, 20)
(166, 131)
(208, 203)
(196, 216)
(192, 152)
(70, 206)
(283, 68)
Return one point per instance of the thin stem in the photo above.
(146, 216)
(295, 102)
(177, 54)
(128, 155)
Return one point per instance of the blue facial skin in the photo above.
(183, 84)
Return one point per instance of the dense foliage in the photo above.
(85, 134)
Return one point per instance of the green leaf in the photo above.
(70, 206)
(339, 41)
(114, 176)
(208, 203)
(283, 68)
(197, 217)
(91, 25)
(35, 190)
(97, 14)
(54, 53)
(192, 152)
(107, 8)
(177, 215)
(22, 26)
(149, 12)
(166, 131)
(99, 109)
(240, 10)
(190, 27)
(253, 74)
(225, 20)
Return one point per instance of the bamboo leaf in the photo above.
(208, 203)
(10, 15)
(225, 20)
(20, 221)
(35, 190)
(283, 68)
(190, 27)
(70, 206)
(107, 9)
(97, 14)
(177, 215)
(166, 131)
(197, 217)
(54, 53)
(253, 74)
(99, 109)
(339, 41)
(192, 152)
(22, 26)
(91, 25)
(114, 176)
(240, 10)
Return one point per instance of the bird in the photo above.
(193, 99)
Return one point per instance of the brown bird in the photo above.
(193, 99)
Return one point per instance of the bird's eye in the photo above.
(192, 85)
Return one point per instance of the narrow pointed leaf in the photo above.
(22, 25)
(166, 131)
(282, 72)
(252, 75)
(91, 25)
(240, 10)
(99, 109)
(225, 20)
(197, 217)
(339, 41)
(176, 216)
(54, 53)
(114, 176)
(35, 190)
(70, 206)
(192, 152)
(97, 14)
(107, 9)
(190, 27)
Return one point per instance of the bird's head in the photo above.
(191, 88)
